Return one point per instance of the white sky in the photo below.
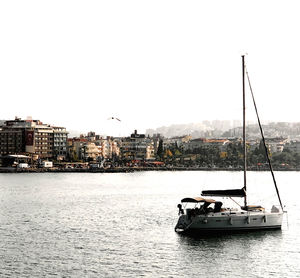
(150, 63)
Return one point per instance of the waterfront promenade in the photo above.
(128, 169)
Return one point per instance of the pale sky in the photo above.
(149, 63)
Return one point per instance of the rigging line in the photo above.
(235, 202)
(264, 141)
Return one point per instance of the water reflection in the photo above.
(223, 253)
(232, 235)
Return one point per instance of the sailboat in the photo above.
(204, 214)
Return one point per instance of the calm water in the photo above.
(122, 225)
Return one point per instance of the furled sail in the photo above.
(225, 193)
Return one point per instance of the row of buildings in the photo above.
(275, 145)
(45, 142)
(94, 147)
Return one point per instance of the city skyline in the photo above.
(23, 140)
(149, 64)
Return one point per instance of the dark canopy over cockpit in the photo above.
(197, 200)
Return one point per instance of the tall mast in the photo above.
(244, 132)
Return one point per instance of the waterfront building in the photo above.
(13, 136)
(178, 141)
(60, 136)
(39, 141)
(109, 146)
(91, 136)
(116, 143)
(12, 141)
(90, 152)
(74, 148)
(32, 137)
(276, 144)
(137, 147)
(105, 147)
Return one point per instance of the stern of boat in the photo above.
(182, 223)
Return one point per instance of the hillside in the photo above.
(226, 129)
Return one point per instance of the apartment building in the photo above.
(276, 144)
(137, 147)
(179, 141)
(12, 141)
(39, 141)
(60, 136)
(31, 137)
(75, 146)
(89, 151)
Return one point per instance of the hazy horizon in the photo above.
(117, 131)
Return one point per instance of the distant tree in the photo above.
(234, 152)
(160, 149)
(285, 150)
(177, 152)
(168, 153)
(284, 158)
(261, 150)
(74, 157)
(297, 159)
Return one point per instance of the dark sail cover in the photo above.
(225, 193)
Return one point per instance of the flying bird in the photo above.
(113, 118)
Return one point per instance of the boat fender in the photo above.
(205, 221)
(231, 221)
(265, 219)
(248, 220)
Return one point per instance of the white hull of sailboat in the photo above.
(229, 222)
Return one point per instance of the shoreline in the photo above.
(131, 170)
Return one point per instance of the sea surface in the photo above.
(122, 225)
